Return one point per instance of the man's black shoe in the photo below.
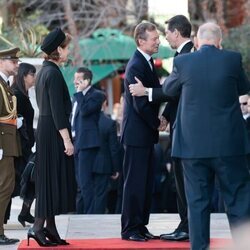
(150, 236)
(144, 232)
(6, 241)
(175, 236)
(135, 237)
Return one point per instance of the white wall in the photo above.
(162, 10)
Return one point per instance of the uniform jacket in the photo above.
(9, 138)
(209, 121)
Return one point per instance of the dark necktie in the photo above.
(176, 53)
(152, 63)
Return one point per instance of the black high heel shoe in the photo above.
(39, 237)
(53, 238)
(28, 218)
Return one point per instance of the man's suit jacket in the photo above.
(157, 94)
(108, 159)
(86, 118)
(140, 117)
(209, 121)
(171, 107)
(247, 121)
(9, 138)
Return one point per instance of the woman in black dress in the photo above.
(24, 80)
(55, 178)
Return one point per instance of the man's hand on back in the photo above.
(137, 89)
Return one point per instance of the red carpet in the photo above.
(118, 244)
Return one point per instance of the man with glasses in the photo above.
(243, 105)
(9, 147)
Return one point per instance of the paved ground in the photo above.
(105, 226)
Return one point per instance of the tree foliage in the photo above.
(80, 17)
(87, 15)
(238, 40)
(232, 17)
(23, 36)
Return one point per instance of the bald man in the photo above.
(209, 133)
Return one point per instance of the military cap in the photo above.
(53, 40)
(9, 53)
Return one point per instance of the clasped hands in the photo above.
(163, 124)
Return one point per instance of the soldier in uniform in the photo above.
(9, 146)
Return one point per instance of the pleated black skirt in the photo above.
(55, 176)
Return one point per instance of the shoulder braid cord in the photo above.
(12, 111)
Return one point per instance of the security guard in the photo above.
(9, 145)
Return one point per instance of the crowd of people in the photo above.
(81, 158)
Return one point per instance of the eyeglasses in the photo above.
(243, 103)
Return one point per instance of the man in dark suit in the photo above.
(107, 162)
(247, 120)
(9, 144)
(209, 134)
(178, 31)
(139, 133)
(85, 131)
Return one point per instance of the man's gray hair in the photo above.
(209, 32)
(141, 31)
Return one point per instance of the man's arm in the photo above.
(141, 104)
(137, 89)
(158, 96)
(89, 105)
(171, 85)
(155, 95)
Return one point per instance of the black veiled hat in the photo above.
(53, 40)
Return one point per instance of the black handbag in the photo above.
(28, 176)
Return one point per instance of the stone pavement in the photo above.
(105, 226)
